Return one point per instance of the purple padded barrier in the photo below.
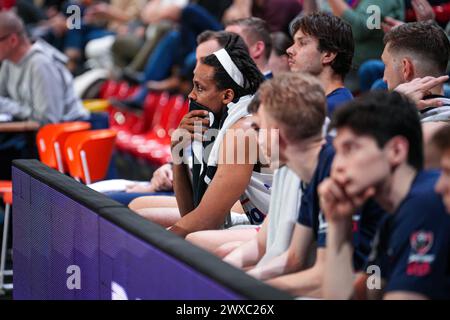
(148, 273)
(21, 235)
(52, 231)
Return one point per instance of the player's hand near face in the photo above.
(338, 207)
(336, 203)
(418, 88)
(188, 126)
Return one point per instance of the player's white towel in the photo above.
(236, 111)
(283, 213)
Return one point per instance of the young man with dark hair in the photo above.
(379, 155)
(324, 47)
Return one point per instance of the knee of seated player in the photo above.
(137, 204)
(211, 240)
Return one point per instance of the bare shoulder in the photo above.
(244, 123)
(242, 128)
(240, 138)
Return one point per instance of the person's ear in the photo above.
(258, 49)
(397, 150)
(328, 57)
(228, 96)
(408, 69)
(13, 40)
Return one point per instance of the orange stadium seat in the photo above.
(51, 138)
(5, 186)
(88, 154)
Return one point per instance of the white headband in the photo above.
(229, 66)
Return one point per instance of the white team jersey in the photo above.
(256, 198)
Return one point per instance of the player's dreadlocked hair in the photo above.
(238, 52)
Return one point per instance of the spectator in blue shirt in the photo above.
(323, 46)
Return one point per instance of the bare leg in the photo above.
(213, 239)
(153, 202)
(226, 248)
(158, 209)
(165, 217)
(163, 210)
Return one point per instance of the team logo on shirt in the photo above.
(254, 215)
(419, 262)
(421, 242)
